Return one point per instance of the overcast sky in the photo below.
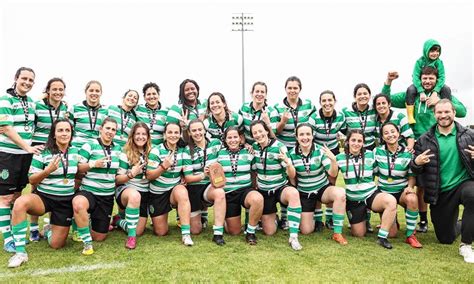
(328, 44)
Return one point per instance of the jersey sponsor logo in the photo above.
(5, 174)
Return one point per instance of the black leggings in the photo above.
(444, 93)
(444, 214)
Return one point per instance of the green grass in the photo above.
(272, 260)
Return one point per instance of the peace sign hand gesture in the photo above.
(423, 158)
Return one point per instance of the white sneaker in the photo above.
(294, 243)
(17, 259)
(187, 241)
(466, 252)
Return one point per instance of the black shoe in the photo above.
(283, 224)
(369, 227)
(384, 243)
(329, 224)
(219, 240)
(251, 239)
(422, 227)
(318, 226)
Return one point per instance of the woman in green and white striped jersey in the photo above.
(292, 111)
(152, 112)
(47, 110)
(237, 164)
(219, 117)
(52, 173)
(165, 165)
(191, 107)
(125, 116)
(382, 105)
(327, 124)
(258, 109)
(396, 177)
(272, 164)
(357, 166)
(133, 188)
(360, 116)
(199, 152)
(88, 115)
(99, 161)
(313, 164)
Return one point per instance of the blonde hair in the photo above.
(131, 149)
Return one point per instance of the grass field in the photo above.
(272, 260)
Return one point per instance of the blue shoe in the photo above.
(9, 247)
(35, 236)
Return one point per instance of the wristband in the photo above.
(161, 166)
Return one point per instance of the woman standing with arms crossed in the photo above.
(52, 173)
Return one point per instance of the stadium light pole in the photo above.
(240, 23)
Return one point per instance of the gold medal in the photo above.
(390, 179)
(65, 181)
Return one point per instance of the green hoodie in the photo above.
(424, 61)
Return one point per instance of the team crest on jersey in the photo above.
(66, 115)
(5, 174)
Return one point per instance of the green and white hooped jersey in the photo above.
(58, 183)
(45, 116)
(364, 121)
(399, 169)
(358, 189)
(125, 121)
(86, 122)
(237, 168)
(12, 113)
(399, 120)
(215, 131)
(299, 115)
(271, 171)
(326, 129)
(175, 112)
(155, 119)
(172, 177)
(249, 114)
(310, 171)
(139, 182)
(100, 181)
(201, 157)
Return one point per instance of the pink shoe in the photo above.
(131, 243)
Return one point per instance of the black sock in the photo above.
(423, 217)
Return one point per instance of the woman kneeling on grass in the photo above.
(99, 161)
(313, 164)
(52, 172)
(396, 178)
(200, 191)
(133, 187)
(237, 162)
(165, 164)
(357, 167)
(272, 165)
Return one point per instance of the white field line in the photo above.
(62, 270)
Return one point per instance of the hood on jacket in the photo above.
(428, 45)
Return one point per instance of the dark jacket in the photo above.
(428, 175)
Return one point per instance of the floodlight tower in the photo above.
(242, 22)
